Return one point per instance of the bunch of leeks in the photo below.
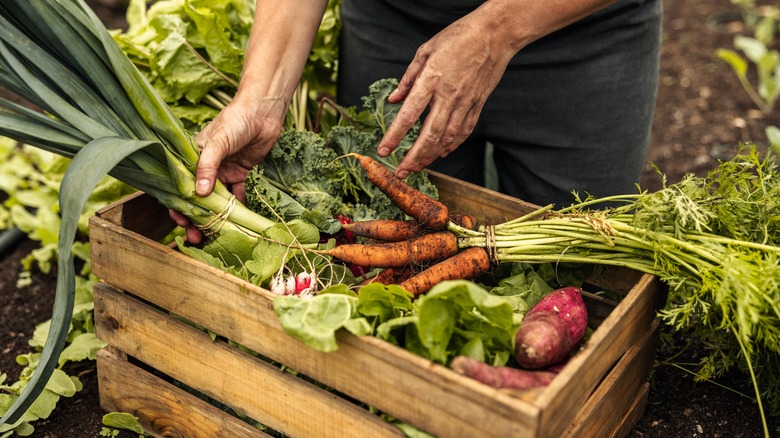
(99, 110)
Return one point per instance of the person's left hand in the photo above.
(453, 74)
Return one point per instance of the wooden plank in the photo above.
(140, 213)
(626, 424)
(488, 206)
(276, 398)
(615, 396)
(446, 403)
(163, 409)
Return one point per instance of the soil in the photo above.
(702, 115)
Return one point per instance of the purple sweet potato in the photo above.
(501, 376)
(551, 329)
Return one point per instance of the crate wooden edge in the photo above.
(162, 408)
(614, 397)
(549, 398)
(230, 376)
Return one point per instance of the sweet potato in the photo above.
(501, 377)
(552, 329)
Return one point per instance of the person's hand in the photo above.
(231, 145)
(453, 74)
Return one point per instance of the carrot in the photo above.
(390, 275)
(464, 220)
(411, 201)
(426, 248)
(500, 376)
(551, 329)
(466, 264)
(386, 230)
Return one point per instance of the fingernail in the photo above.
(394, 92)
(203, 186)
(383, 151)
(403, 174)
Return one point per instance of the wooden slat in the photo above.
(615, 395)
(488, 206)
(256, 388)
(140, 213)
(163, 409)
(624, 426)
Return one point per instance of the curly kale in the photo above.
(307, 176)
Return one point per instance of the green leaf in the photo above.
(124, 421)
(383, 303)
(232, 247)
(84, 346)
(268, 259)
(773, 135)
(737, 63)
(435, 326)
(44, 405)
(751, 47)
(315, 320)
(61, 384)
(385, 330)
(474, 348)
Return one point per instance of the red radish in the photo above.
(303, 283)
(502, 376)
(348, 236)
(551, 329)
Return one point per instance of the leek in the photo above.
(99, 110)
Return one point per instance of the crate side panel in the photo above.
(163, 409)
(611, 401)
(242, 312)
(265, 393)
(634, 414)
(568, 392)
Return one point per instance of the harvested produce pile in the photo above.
(714, 241)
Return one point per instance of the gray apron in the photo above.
(572, 112)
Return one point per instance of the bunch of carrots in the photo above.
(416, 254)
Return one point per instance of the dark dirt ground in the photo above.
(702, 114)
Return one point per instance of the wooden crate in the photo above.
(151, 295)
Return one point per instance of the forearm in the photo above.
(518, 23)
(279, 45)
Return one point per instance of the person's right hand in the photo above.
(236, 140)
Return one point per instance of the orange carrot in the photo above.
(425, 248)
(386, 230)
(464, 220)
(465, 265)
(390, 275)
(411, 201)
